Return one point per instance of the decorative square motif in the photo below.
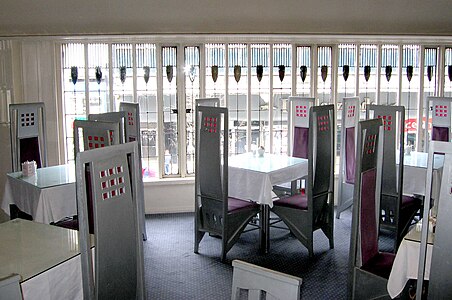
(210, 124)
(130, 119)
(112, 182)
(370, 143)
(95, 142)
(27, 119)
(441, 111)
(387, 122)
(301, 111)
(351, 111)
(323, 122)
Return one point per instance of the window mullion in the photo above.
(270, 103)
(248, 102)
(85, 48)
(160, 135)
(134, 72)
(110, 77)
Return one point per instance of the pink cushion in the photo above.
(300, 142)
(440, 134)
(298, 201)
(380, 264)
(235, 205)
(350, 155)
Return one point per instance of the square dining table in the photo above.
(252, 177)
(46, 257)
(48, 195)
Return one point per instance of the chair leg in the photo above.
(198, 237)
(15, 212)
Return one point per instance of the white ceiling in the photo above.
(63, 17)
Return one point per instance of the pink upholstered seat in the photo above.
(299, 201)
(236, 205)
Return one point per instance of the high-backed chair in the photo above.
(439, 110)
(10, 288)
(256, 279)
(28, 134)
(350, 119)
(94, 134)
(208, 102)
(396, 210)
(132, 132)
(298, 137)
(369, 268)
(306, 212)
(116, 117)
(441, 264)
(114, 176)
(215, 212)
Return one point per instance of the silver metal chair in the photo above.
(306, 212)
(215, 212)
(350, 119)
(132, 132)
(441, 265)
(256, 279)
(28, 134)
(10, 288)
(439, 110)
(397, 211)
(369, 269)
(115, 176)
(116, 117)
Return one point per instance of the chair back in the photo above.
(256, 279)
(321, 158)
(299, 128)
(10, 288)
(208, 102)
(132, 132)
(439, 110)
(441, 264)
(211, 181)
(28, 134)
(117, 117)
(95, 134)
(115, 178)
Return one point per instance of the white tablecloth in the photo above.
(405, 266)
(45, 205)
(252, 177)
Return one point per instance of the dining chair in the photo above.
(256, 280)
(298, 138)
(369, 269)
(132, 132)
(441, 257)
(90, 135)
(10, 287)
(114, 177)
(208, 102)
(304, 213)
(215, 212)
(116, 117)
(438, 109)
(28, 134)
(397, 211)
(346, 181)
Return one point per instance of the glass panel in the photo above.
(215, 72)
(448, 73)
(367, 74)
(430, 87)
(237, 101)
(170, 110)
(191, 93)
(73, 86)
(410, 90)
(122, 74)
(98, 78)
(260, 96)
(324, 75)
(282, 89)
(304, 71)
(389, 81)
(147, 98)
(346, 71)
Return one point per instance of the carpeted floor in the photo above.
(173, 271)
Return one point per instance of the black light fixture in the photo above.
(345, 71)
(303, 73)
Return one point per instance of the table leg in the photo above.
(264, 231)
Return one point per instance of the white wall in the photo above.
(56, 17)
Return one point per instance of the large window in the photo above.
(253, 80)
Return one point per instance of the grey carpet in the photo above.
(173, 271)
